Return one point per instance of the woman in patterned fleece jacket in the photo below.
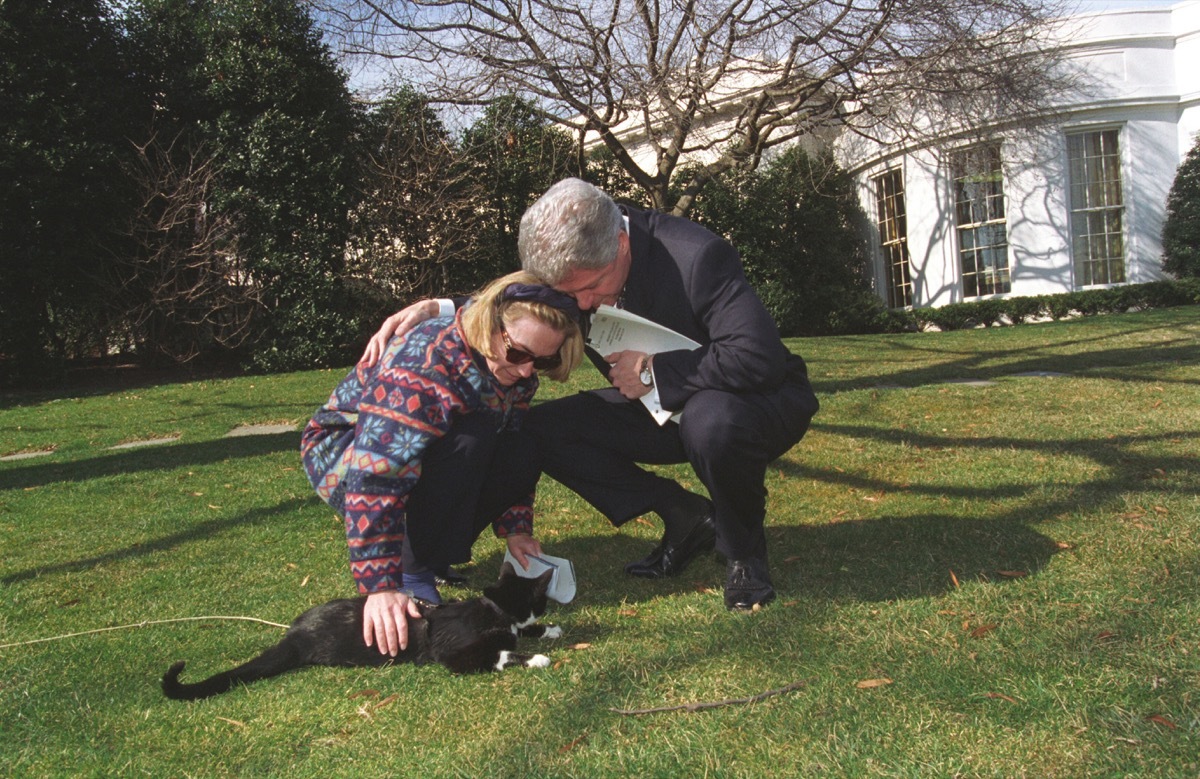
(424, 449)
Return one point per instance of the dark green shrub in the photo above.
(1060, 306)
(956, 316)
(860, 311)
(1023, 309)
(67, 114)
(1181, 228)
(796, 224)
(1163, 294)
(252, 82)
(985, 313)
(990, 312)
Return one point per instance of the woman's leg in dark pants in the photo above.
(468, 479)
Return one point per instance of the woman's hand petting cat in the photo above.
(521, 546)
(385, 623)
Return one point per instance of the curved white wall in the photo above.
(1146, 69)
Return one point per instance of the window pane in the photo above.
(1097, 210)
(981, 220)
(893, 237)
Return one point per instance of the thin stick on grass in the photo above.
(138, 625)
(712, 704)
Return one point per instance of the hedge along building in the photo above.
(1070, 202)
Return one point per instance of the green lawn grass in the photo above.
(986, 579)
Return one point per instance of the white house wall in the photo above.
(1146, 69)
(1187, 62)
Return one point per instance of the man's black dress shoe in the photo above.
(747, 584)
(670, 559)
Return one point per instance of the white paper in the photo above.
(562, 581)
(617, 330)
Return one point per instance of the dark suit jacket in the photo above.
(685, 277)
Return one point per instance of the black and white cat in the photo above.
(479, 634)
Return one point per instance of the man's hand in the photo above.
(385, 622)
(397, 324)
(626, 372)
(521, 546)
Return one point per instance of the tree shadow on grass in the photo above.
(1125, 467)
(954, 361)
(885, 559)
(201, 530)
(898, 557)
(160, 457)
(93, 378)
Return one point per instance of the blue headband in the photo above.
(540, 293)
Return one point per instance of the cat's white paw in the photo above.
(538, 661)
(552, 631)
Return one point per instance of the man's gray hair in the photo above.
(573, 226)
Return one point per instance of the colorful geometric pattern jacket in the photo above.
(362, 449)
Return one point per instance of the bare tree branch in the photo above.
(185, 287)
(414, 224)
(724, 81)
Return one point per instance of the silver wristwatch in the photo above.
(646, 376)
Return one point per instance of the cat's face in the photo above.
(521, 597)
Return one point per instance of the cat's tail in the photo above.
(273, 662)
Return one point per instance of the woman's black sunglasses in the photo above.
(520, 356)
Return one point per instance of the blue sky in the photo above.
(363, 76)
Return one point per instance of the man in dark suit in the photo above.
(745, 399)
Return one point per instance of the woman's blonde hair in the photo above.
(489, 310)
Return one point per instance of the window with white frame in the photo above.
(1097, 207)
(979, 216)
(893, 237)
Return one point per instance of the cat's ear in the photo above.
(507, 571)
(543, 581)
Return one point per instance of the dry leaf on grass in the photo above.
(582, 645)
(1159, 719)
(1001, 696)
(983, 630)
(868, 684)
